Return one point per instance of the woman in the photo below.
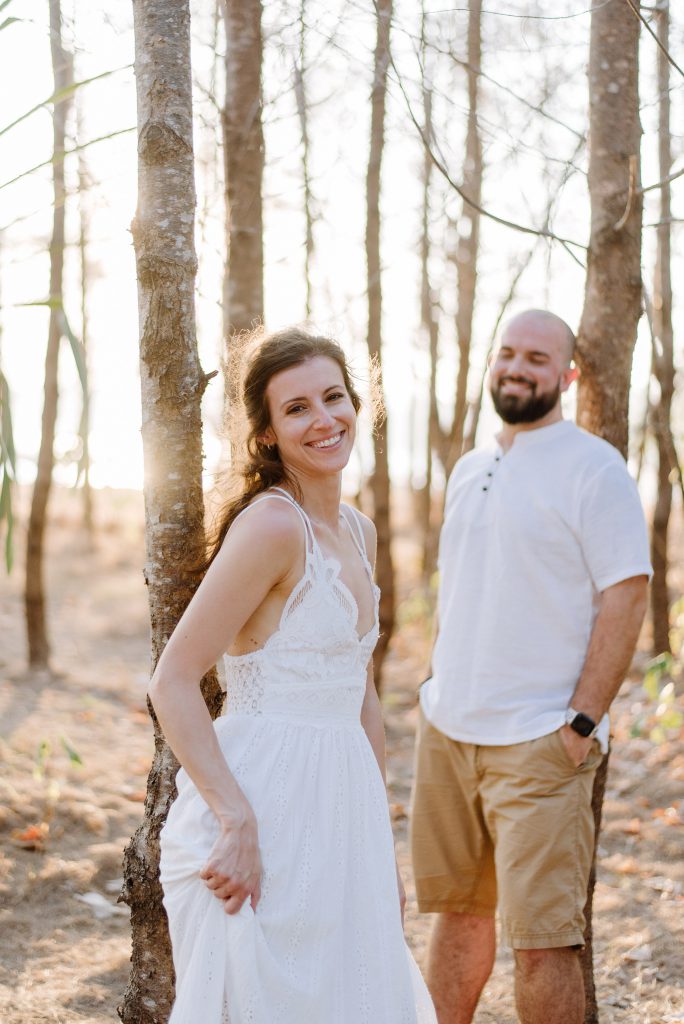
(277, 857)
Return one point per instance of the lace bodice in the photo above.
(314, 665)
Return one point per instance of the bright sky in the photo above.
(527, 55)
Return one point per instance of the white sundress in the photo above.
(325, 944)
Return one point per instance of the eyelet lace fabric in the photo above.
(325, 943)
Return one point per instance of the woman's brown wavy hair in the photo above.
(259, 465)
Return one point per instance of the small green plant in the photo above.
(664, 714)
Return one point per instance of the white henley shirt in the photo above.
(530, 539)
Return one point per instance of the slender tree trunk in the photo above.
(243, 149)
(38, 644)
(612, 301)
(172, 384)
(84, 461)
(664, 361)
(380, 482)
(303, 112)
(430, 325)
(468, 237)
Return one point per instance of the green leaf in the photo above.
(78, 352)
(671, 719)
(7, 515)
(61, 94)
(10, 21)
(74, 756)
(6, 434)
(651, 683)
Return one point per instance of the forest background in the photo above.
(404, 177)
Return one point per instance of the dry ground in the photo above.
(64, 943)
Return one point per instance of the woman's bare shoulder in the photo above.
(269, 518)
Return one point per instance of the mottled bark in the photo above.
(664, 360)
(380, 482)
(243, 151)
(172, 384)
(612, 301)
(34, 593)
(468, 237)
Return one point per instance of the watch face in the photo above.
(582, 724)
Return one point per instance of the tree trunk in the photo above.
(172, 384)
(468, 237)
(612, 302)
(430, 326)
(380, 483)
(303, 113)
(243, 149)
(84, 430)
(664, 361)
(34, 596)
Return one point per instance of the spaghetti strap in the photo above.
(282, 495)
(356, 530)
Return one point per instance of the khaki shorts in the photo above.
(510, 825)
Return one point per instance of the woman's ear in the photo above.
(268, 438)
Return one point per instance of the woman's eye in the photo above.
(295, 408)
(336, 395)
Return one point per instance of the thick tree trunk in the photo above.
(243, 149)
(664, 362)
(172, 385)
(612, 302)
(380, 482)
(34, 595)
(468, 238)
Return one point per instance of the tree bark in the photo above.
(243, 150)
(172, 384)
(612, 301)
(430, 325)
(664, 356)
(303, 113)
(84, 429)
(468, 237)
(34, 594)
(380, 483)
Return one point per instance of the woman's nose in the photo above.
(323, 417)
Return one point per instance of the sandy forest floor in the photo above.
(75, 747)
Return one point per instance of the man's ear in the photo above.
(569, 376)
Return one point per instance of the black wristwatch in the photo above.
(581, 723)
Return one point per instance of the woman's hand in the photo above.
(402, 894)
(233, 870)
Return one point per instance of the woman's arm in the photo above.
(258, 555)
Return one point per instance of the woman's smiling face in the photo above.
(313, 420)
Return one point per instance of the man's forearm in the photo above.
(611, 648)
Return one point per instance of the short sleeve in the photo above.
(613, 528)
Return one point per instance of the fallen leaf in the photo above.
(33, 837)
(639, 954)
(100, 906)
(136, 795)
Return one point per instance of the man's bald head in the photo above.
(542, 322)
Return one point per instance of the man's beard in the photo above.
(523, 408)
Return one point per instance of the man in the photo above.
(544, 566)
